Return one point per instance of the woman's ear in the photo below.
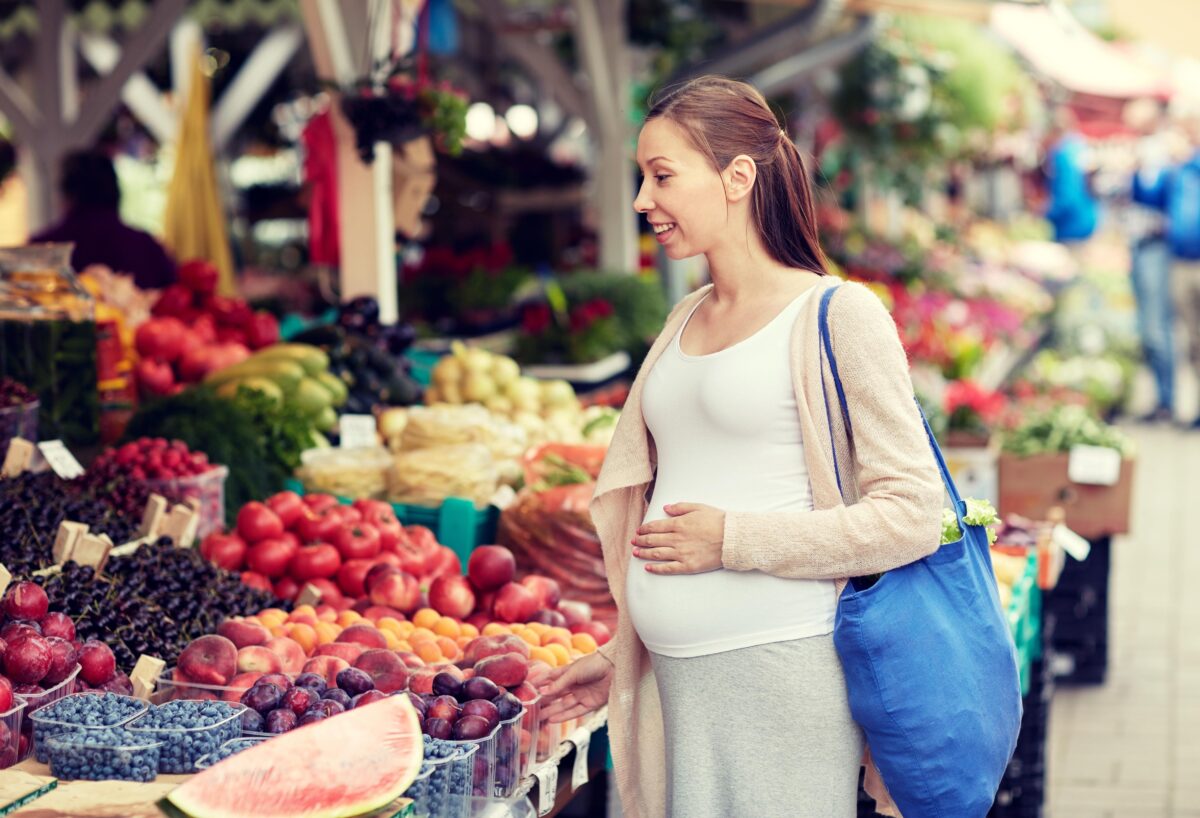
(740, 175)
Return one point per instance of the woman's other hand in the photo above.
(576, 689)
(688, 541)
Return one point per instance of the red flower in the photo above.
(535, 319)
(988, 405)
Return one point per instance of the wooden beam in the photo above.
(143, 45)
(140, 94)
(264, 65)
(19, 109)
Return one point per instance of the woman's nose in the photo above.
(642, 203)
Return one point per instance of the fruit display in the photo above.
(81, 713)
(153, 602)
(113, 753)
(172, 355)
(367, 356)
(446, 779)
(343, 766)
(474, 375)
(295, 375)
(188, 730)
(33, 505)
(227, 749)
(193, 300)
(18, 413)
(290, 541)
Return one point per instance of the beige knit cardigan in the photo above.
(891, 515)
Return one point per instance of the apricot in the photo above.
(447, 626)
(348, 618)
(543, 655)
(561, 655)
(426, 618)
(392, 624)
(584, 643)
(420, 635)
(429, 652)
(469, 630)
(326, 632)
(495, 629)
(448, 648)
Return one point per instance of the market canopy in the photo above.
(1061, 48)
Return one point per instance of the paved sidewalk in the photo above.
(1131, 748)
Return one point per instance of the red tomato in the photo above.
(350, 514)
(352, 576)
(315, 526)
(286, 588)
(271, 557)
(257, 581)
(383, 517)
(416, 554)
(256, 522)
(290, 536)
(288, 506)
(319, 501)
(226, 551)
(444, 563)
(313, 561)
(355, 542)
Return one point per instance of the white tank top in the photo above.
(727, 431)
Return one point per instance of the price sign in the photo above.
(1094, 465)
(5, 578)
(60, 459)
(547, 778)
(579, 773)
(357, 431)
(145, 675)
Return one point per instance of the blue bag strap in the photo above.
(827, 352)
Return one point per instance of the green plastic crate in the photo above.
(457, 524)
(1024, 620)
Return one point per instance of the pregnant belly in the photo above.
(724, 609)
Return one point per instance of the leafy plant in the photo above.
(979, 512)
(1059, 428)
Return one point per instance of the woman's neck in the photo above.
(745, 273)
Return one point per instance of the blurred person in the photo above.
(92, 222)
(1073, 210)
(1177, 195)
(1150, 254)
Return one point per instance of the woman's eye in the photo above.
(661, 177)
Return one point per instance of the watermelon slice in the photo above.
(347, 765)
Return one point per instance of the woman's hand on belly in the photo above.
(688, 541)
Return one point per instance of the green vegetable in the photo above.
(560, 473)
(1059, 429)
(979, 512)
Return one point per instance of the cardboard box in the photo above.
(1031, 486)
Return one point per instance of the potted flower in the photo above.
(585, 333)
(971, 413)
(400, 109)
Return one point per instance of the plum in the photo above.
(338, 695)
(447, 684)
(480, 687)
(363, 699)
(312, 717)
(329, 707)
(508, 706)
(263, 697)
(438, 728)
(355, 681)
(252, 721)
(484, 708)
(469, 728)
(312, 680)
(300, 699)
(443, 707)
(281, 720)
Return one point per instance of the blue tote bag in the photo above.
(931, 669)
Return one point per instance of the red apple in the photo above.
(491, 566)
(451, 595)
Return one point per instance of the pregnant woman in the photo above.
(725, 535)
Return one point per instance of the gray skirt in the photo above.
(760, 732)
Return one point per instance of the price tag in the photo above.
(68, 535)
(92, 551)
(145, 675)
(18, 457)
(5, 578)
(357, 431)
(152, 517)
(1094, 465)
(547, 778)
(309, 595)
(60, 459)
(579, 773)
(1072, 543)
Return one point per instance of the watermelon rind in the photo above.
(345, 766)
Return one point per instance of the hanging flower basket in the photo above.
(401, 110)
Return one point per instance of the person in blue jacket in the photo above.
(1073, 210)
(1177, 194)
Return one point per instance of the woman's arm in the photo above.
(897, 519)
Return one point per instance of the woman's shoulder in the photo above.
(856, 307)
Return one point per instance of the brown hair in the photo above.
(725, 118)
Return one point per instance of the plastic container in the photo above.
(483, 779)
(208, 488)
(429, 790)
(509, 763)
(530, 722)
(354, 473)
(549, 736)
(47, 723)
(73, 757)
(38, 700)
(183, 747)
(18, 421)
(227, 749)
(10, 733)
(462, 784)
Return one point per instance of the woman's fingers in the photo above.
(559, 680)
(572, 713)
(663, 553)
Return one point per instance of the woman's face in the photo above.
(681, 195)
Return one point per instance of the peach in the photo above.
(525, 692)
(398, 590)
(385, 668)
(546, 591)
(515, 603)
(421, 680)
(258, 658)
(539, 670)
(290, 652)
(452, 596)
(506, 670)
(242, 633)
(576, 613)
(240, 684)
(304, 619)
(410, 659)
(365, 635)
(376, 613)
(305, 636)
(598, 631)
(348, 651)
(482, 647)
(329, 667)
(210, 660)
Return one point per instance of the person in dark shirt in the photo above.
(92, 222)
